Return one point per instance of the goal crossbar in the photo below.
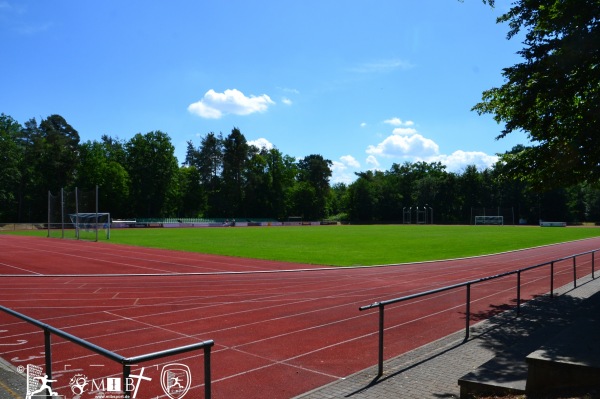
(90, 222)
(489, 220)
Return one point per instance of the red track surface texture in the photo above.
(280, 329)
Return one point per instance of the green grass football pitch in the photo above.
(351, 245)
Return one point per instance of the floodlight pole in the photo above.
(76, 214)
(62, 212)
(48, 213)
(96, 213)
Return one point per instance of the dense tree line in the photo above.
(225, 177)
(378, 196)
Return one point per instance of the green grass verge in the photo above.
(349, 245)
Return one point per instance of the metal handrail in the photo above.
(382, 304)
(125, 361)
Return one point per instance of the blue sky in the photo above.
(364, 83)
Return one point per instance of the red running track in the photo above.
(280, 329)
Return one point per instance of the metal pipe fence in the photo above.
(126, 362)
(467, 284)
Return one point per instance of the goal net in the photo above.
(494, 220)
(91, 226)
(74, 214)
(495, 215)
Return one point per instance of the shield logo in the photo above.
(175, 380)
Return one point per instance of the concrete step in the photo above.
(563, 353)
(569, 360)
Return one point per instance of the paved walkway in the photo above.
(433, 370)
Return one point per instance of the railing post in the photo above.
(48, 356)
(593, 256)
(381, 328)
(552, 279)
(519, 293)
(126, 372)
(574, 272)
(468, 312)
(207, 373)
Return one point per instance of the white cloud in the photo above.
(232, 101)
(286, 101)
(289, 90)
(398, 122)
(262, 143)
(406, 143)
(371, 160)
(459, 160)
(350, 161)
(364, 124)
(405, 146)
(342, 171)
(393, 121)
(337, 166)
(404, 131)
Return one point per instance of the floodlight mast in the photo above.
(76, 214)
(97, 213)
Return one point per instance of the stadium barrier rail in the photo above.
(126, 362)
(382, 304)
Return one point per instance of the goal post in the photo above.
(489, 220)
(91, 225)
(492, 215)
(77, 211)
(55, 224)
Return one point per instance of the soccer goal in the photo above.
(75, 214)
(91, 226)
(489, 220)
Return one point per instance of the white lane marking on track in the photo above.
(116, 253)
(149, 325)
(19, 268)
(54, 251)
(19, 342)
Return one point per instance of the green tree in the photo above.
(153, 170)
(98, 168)
(50, 151)
(235, 159)
(314, 172)
(209, 159)
(30, 185)
(258, 183)
(553, 94)
(59, 151)
(282, 171)
(337, 207)
(302, 201)
(11, 160)
(362, 197)
(193, 196)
